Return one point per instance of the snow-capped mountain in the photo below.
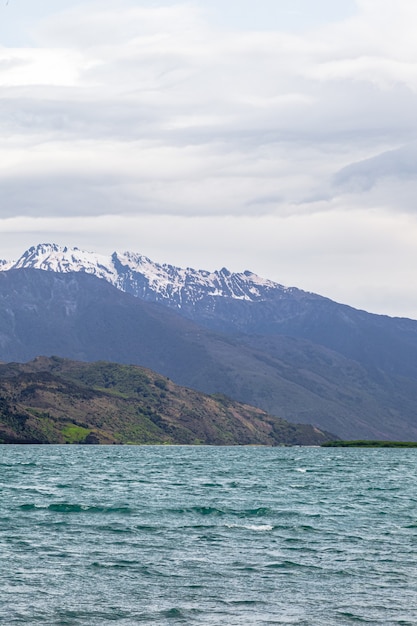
(138, 275)
(290, 352)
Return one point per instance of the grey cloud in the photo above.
(195, 97)
(58, 112)
(265, 202)
(169, 70)
(364, 175)
(62, 196)
(184, 120)
(87, 195)
(168, 117)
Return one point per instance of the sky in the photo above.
(278, 136)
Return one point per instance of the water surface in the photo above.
(203, 535)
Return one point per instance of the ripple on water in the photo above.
(207, 536)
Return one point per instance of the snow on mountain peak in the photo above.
(139, 276)
(52, 257)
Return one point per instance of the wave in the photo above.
(66, 507)
(209, 510)
(256, 528)
(286, 565)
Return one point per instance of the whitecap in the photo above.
(255, 527)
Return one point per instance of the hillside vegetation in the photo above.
(54, 400)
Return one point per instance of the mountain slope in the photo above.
(61, 401)
(245, 304)
(81, 317)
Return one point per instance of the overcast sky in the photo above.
(278, 136)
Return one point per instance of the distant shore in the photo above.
(369, 444)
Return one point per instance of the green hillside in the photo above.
(54, 400)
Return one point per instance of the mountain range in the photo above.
(292, 353)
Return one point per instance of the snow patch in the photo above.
(138, 275)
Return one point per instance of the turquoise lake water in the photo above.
(204, 535)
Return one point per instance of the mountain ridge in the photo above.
(243, 304)
(136, 274)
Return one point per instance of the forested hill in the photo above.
(54, 400)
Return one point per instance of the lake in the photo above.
(207, 535)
